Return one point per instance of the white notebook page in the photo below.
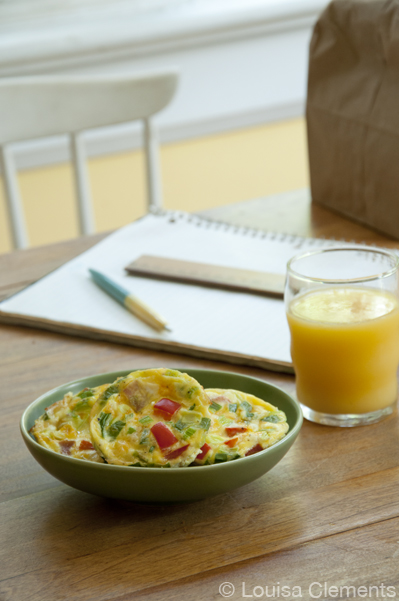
(206, 318)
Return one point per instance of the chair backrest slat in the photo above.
(33, 107)
(13, 199)
(153, 167)
(43, 106)
(82, 183)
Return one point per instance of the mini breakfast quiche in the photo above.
(242, 425)
(64, 426)
(154, 417)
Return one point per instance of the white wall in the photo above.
(242, 63)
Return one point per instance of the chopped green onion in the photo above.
(152, 449)
(180, 425)
(225, 421)
(146, 420)
(233, 407)
(129, 415)
(131, 430)
(144, 436)
(115, 429)
(191, 391)
(103, 420)
(219, 457)
(205, 423)
(85, 393)
(82, 405)
(166, 464)
(248, 409)
(273, 418)
(192, 407)
(214, 439)
(113, 389)
(189, 417)
(45, 416)
(189, 432)
(214, 407)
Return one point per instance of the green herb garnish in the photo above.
(103, 420)
(152, 449)
(233, 407)
(214, 407)
(144, 436)
(225, 421)
(85, 394)
(205, 423)
(113, 389)
(248, 409)
(146, 420)
(82, 405)
(189, 432)
(219, 457)
(272, 418)
(131, 430)
(192, 407)
(114, 429)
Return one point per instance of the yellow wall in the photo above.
(196, 174)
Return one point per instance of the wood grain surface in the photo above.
(327, 513)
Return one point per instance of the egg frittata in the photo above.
(242, 424)
(154, 417)
(64, 426)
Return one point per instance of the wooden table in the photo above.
(328, 513)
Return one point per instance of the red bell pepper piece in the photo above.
(163, 435)
(166, 406)
(176, 452)
(204, 450)
(86, 445)
(254, 450)
(235, 430)
(231, 442)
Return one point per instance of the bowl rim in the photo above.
(292, 433)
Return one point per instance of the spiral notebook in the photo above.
(233, 326)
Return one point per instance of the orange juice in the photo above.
(345, 349)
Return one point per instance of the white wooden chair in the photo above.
(42, 106)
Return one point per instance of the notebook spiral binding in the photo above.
(298, 241)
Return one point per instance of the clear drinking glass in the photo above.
(342, 308)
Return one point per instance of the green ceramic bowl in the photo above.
(160, 485)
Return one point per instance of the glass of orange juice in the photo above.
(342, 308)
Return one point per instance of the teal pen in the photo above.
(132, 303)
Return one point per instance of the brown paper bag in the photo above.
(353, 111)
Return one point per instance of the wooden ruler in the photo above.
(214, 276)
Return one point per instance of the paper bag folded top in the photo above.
(353, 111)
